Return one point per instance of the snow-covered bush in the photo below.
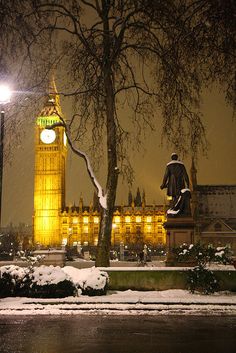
(30, 259)
(202, 254)
(91, 281)
(200, 278)
(51, 281)
(42, 282)
(14, 281)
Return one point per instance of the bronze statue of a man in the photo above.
(175, 178)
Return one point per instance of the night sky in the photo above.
(149, 166)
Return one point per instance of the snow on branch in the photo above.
(101, 196)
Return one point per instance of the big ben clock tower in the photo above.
(49, 179)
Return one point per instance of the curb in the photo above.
(128, 308)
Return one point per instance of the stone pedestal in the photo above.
(179, 230)
(52, 257)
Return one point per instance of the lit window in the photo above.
(96, 220)
(149, 219)
(127, 219)
(117, 219)
(85, 219)
(85, 229)
(64, 241)
(138, 219)
(75, 220)
(149, 229)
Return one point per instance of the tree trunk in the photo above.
(104, 238)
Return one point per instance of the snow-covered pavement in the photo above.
(169, 302)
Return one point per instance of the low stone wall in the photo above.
(161, 279)
(227, 279)
(52, 257)
(145, 278)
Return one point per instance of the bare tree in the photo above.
(128, 59)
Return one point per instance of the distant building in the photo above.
(134, 224)
(55, 223)
(214, 212)
(131, 225)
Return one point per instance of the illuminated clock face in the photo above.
(64, 138)
(48, 136)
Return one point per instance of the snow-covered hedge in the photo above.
(91, 281)
(51, 282)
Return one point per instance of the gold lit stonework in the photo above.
(49, 179)
(54, 223)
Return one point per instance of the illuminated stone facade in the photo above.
(54, 223)
(131, 225)
(49, 178)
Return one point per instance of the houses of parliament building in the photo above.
(55, 223)
(136, 223)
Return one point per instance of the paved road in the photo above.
(117, 334)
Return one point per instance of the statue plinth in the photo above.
(179, 230)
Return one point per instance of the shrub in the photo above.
(202, 254)
(51, 282)
(90, 281)
(14, 281)
(7, 286)
(200, 278)
(60, 290)
(39, 282)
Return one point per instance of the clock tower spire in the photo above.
(49, 177)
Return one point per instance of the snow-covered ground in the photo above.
(125, 303)
(169, 302)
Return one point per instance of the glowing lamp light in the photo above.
(5, 94)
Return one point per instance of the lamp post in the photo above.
(5, 96)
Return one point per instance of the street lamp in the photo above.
(5, 97)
